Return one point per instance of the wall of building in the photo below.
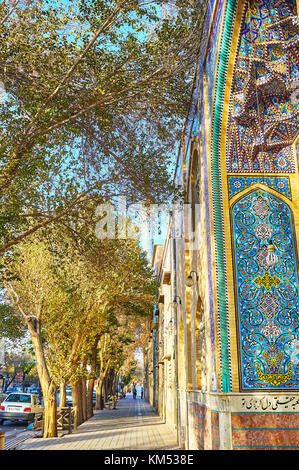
(229, 353)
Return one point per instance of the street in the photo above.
(14, 430)
(13, 427)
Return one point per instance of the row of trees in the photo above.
(83, 301)
(96, 93)
(95, 96)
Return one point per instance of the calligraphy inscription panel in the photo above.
(265, 403)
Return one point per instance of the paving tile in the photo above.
(132, 426)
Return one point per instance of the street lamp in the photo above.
(175, 303)
(190, 281)
(271, 258)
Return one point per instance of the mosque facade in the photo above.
(222, 362)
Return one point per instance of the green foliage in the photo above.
(95, 96)
(96, 93)
(75, 288)
(11, 326)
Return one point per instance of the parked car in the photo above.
(21, 407)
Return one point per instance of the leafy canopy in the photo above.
(96, 92)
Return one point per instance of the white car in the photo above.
(21, 407)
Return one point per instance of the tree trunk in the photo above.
(93, 365)
(99, 398)
(48, 386)
(105, 394)
(50, 409)
(77, 401)
(115, 383)
(62, 395)
(90, 398)
(103, 373)
(84, 398)
(109, 380)
(9, 381)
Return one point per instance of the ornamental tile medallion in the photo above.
(271, 330)
(263, 231)
(268, 306)
(260, 208)
(266, 293)
(267, 281)
(261, 257)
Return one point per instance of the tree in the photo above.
(68, 291)
(28, 294)
(18, 361)
(11, 327)
(95, 94)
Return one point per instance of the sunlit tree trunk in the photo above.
(50, 409)
(105, 393)
(77, 400)
(62, 395)
(49, 388)
(90, 398)
(99, 395)
(84, 395)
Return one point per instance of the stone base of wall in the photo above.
(205, 427)
(243, 421)
(265, 431)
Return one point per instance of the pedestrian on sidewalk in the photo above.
(114, 401)
(141, 392)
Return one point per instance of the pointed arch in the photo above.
(266, 295)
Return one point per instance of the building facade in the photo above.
(223, 358)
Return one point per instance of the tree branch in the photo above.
(43, 224)
(102, 28)
(10, 12)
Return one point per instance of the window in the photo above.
(36, 400)
(18, 398)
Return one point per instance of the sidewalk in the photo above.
(132, 426)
